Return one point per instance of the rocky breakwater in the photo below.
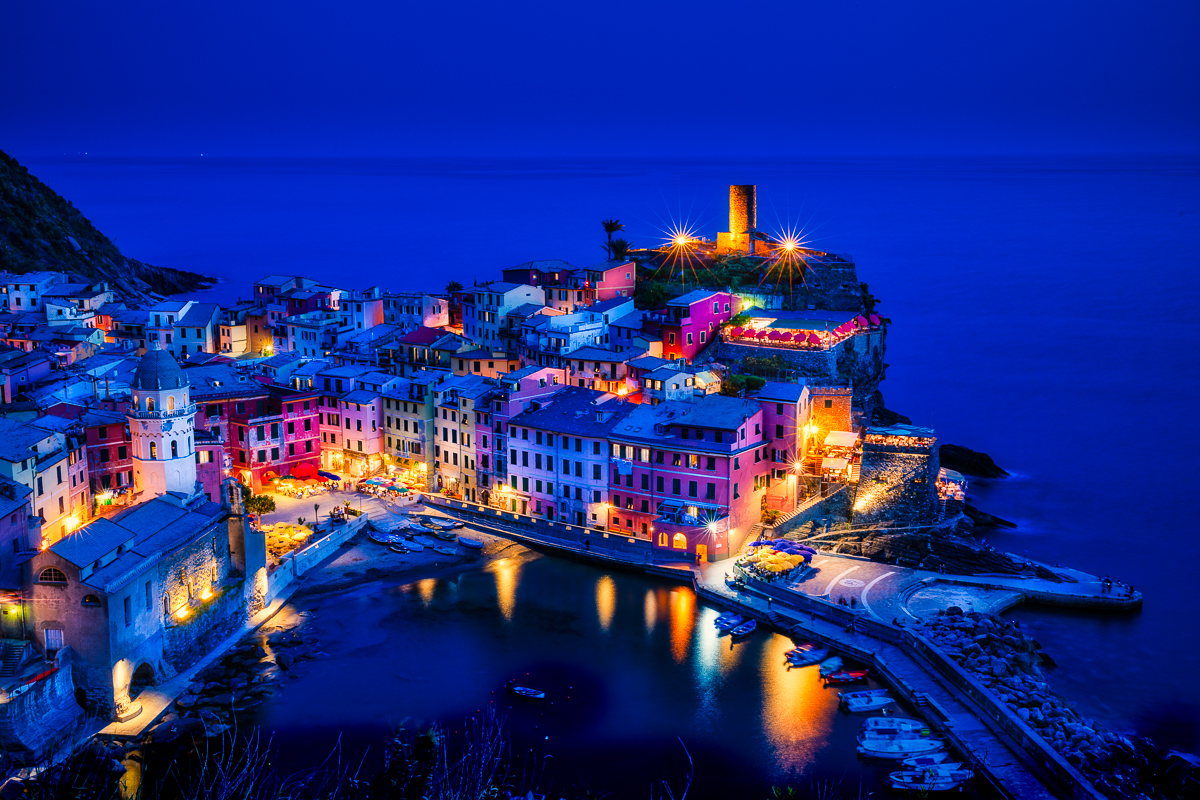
(1006, 661)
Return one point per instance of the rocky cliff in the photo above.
(42, 231)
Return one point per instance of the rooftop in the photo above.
(718, 412)
(781, 392)
(576, 411)
(694, 296)
(158, 370)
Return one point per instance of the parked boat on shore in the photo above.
(473, 544)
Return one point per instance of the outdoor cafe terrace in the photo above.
(798, 334)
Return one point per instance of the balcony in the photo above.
(159, 413)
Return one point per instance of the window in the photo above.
(675, 484)
(54, 639)
(596, 472)
(735, 492)
(128, 604)
(122, 453)
(104, 455)
(692, 488)
(710, 491)
(174, 449)
(829, 404)
(91, 601)
(103, 432)
(153, 451)
(52, 575)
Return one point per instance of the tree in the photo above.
(618, 249)
(868, 300)
(452, 287)
(611, 226)
(259, 504)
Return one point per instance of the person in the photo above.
(587, 544)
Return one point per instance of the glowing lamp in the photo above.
(712, 527)
(207, 594)
(680, 241)
(181, 613)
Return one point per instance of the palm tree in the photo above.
(618, 248)
(452, 287)
(611, 226)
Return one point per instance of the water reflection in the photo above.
(606, 600)
(425, 589)
(650, 611)
(507, 572)
(683, 620)
(796, 716)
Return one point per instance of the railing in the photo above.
(160, 413)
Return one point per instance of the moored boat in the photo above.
(896, 747)
(863, 693)
(847, 676)
(382, 537)
(473, 544)
(725, 623)
(926, 761)
(859, 704)
(882, 726)
(445, 535)
(830, 665)
(745, 629)
(805, 654)
(929, 780)
(525, 691)
(442, 549)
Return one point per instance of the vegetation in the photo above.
(618, 249)
(452, 287)
(869, 301)
(256, 503)
(40, 230)
(612, 226)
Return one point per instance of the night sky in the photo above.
(629, 77)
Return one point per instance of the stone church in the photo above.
(142, 595)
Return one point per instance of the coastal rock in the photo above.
(969, 462)
(982, 519)
(284, 661)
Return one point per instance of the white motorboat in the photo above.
(926, 761)
(830, 665)
(860, 704)
(929, 780)
(863, 693)
(892, 725)
(898, 747)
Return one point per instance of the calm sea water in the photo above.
(1044, 311)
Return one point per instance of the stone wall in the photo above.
(36, 716)
(187, 641)
(897, 484)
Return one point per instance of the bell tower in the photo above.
(161, 426)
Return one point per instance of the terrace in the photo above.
(798, 334)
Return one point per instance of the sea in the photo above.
(1043, 310)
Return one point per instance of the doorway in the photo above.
(701, 553)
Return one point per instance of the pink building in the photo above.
(689, 323)
(785, 410)
(690, 476)
(362, 429)
(513, 394)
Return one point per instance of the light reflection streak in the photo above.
(650, 611)
(606, 600)
(797, 712)
(425, 589)
(507, 572)
(683, 621)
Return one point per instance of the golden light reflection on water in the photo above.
(650, 611)
(425, 590)
(683, 622)
(606, 600)
(508, 575)
(797, 711)
(729, 654)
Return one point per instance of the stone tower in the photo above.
(161, 426)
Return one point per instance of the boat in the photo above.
(886, 726)
(860, 704)
(444, 535)
(847, 696)
(745, 629)
(399, 547)
(382, 537)
(725, 623)
(895, 747)
(847, 676)
(926, 761)
(418, 528)
(805, 654)
(927, 780)
(413, 546)
(525, 691)
(423, 540)
(443, 550)
(724, 617)
(473, 544)
(830, 665)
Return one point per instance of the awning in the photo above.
(329, 476)
(841, 439)
(833, 464)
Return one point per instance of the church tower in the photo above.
(161, 425)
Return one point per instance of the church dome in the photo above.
(158, 371)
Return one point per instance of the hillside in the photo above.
(40, 230)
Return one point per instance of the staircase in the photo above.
(12, 656)
(855, 469)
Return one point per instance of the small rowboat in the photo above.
(725, 617)
(805, 654)
(892, 747)
(745, 629)
(443, 550)
(380, 537)
(926, 761)
(847, 676)
(725, 623)
(847, 696)
(929, 780)
(886, 726)
(399, 547)
(859, 704)
(473, 544)
(444, 535)
(830, 665)
(526, 692)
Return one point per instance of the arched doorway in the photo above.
(143, 676)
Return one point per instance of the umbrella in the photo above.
(874, 320)
(786, 336)
(814, 339)
(773, 335)
(861, 321)
(735, 331)
(329, 476)
(762, 334)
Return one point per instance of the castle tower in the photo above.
(161, 426)
(743, 223)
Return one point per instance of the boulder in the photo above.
(209, 717)
(212, 731)
(284, 661)
(240, 682)
(969, 462)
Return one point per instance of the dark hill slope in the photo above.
(37, 227)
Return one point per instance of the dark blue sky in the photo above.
(742, 77)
